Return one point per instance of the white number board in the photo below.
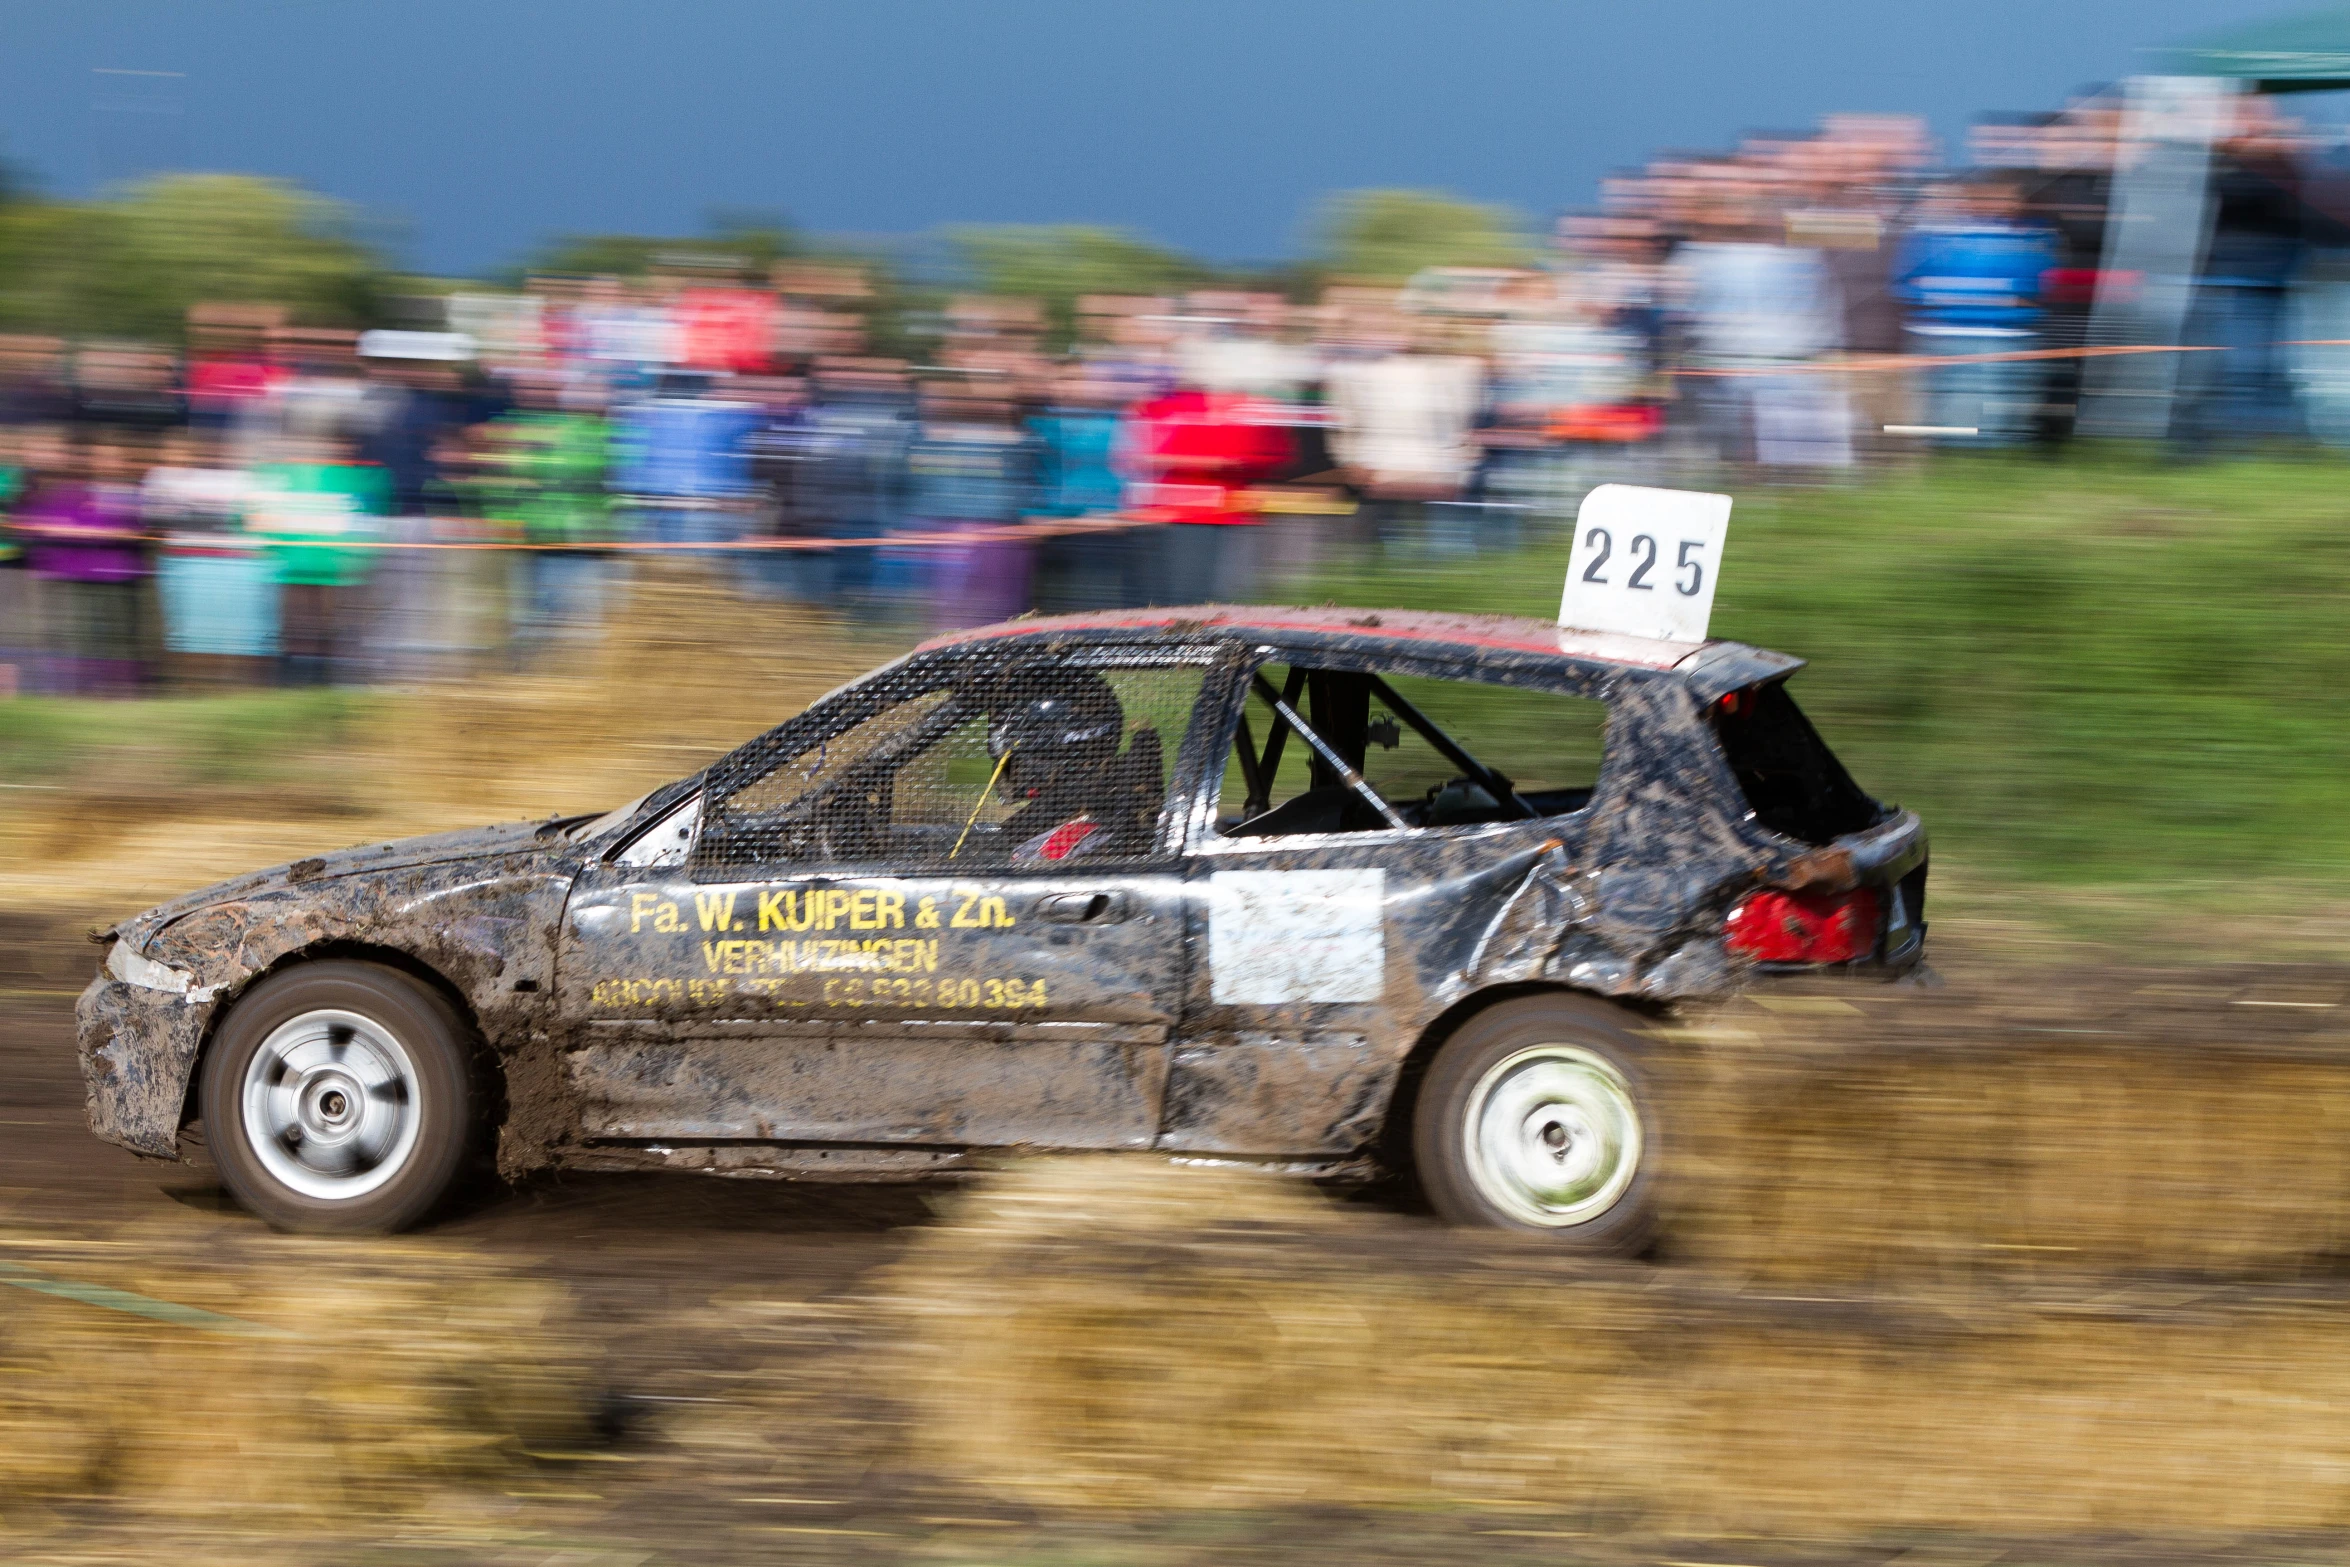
(1645, 562)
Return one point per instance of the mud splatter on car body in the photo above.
(777, 966)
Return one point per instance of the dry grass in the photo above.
(366, 1378)
(2033, 1131)
(1105, 1333)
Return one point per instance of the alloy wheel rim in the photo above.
(330, 1105)
(1554, 1135)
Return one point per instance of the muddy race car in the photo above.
(1333, 891)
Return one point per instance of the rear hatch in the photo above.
(1856, 892)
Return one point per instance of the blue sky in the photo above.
(478, 127)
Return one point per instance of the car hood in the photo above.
(441, 848)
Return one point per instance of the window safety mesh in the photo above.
(1031, 764)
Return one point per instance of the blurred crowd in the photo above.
(266, 502)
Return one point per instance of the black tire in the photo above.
(339, 1096)
(1570, 1145)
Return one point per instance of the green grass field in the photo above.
(243, 737)
(2095, 672)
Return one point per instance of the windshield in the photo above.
(620, 815)
(597, 826)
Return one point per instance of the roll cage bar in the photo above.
(1341, 700)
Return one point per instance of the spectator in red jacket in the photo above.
(1191, 457)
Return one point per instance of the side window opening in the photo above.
(1382, 751)
(1793, 783)
(1030, 765)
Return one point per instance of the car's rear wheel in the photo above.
(1535, 1115)
(339, 1096)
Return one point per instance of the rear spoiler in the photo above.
(1719, 668)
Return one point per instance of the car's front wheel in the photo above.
(338, 1096)
(1536, 1116)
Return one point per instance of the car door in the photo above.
(1359, 873)
(866, 942)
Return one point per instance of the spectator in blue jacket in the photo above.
(1075, 439)
(860, 423)
(1971, 280)
(971, 470)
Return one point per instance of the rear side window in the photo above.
(1437, 753)
(1546, 743)
(1792, 781)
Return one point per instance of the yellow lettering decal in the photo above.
(889, 911)
(926, 917)
(716, 909)
(667, 918)
(861, 910)
(836, 906)
(775, 910)
(837, 973)
(640, 904)
(992, 913)
(641, 992)
(964, 919)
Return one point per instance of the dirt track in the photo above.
(663, 1268)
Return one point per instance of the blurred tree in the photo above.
(1387, 235)
(1060, 262)
(130, 265)
(594, 255)
(758, 239)
(738, 245)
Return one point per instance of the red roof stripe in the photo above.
(1507, 633)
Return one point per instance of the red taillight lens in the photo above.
(1804, 927)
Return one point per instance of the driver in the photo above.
(1057, 758)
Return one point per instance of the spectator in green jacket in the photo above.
(318, 509)
(545, 468)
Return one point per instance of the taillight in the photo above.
(1804, 927)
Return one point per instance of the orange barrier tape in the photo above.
(1874, 363)
(1870, 363)
(1270, 502)
(990, 534)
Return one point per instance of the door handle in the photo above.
(1081, 908)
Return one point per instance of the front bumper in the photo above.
(138, 1050)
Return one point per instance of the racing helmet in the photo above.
(1041, 729)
